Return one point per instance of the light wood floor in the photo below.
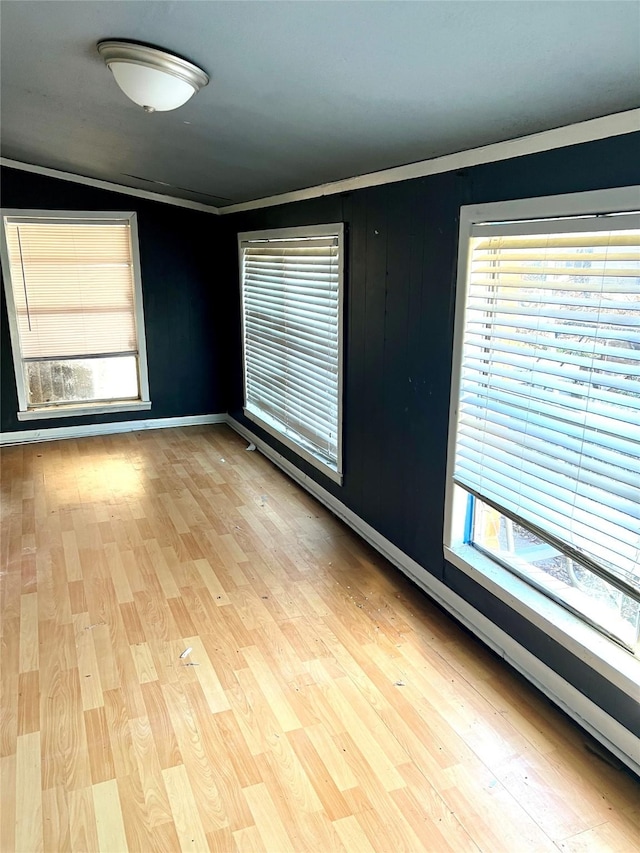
(325, 704)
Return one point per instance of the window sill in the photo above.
(69, 411)
(603, 655)
(305, 454)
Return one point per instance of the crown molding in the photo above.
(107, 185)
(591, 130)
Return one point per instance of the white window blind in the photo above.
(291, 314)
(548, 425)
(73, 287)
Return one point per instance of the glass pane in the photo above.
(553, 572)
(82, 380)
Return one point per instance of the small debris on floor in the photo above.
(400, 684)
(95, 625)
(186, 652)
(190, 664)
(251, 446)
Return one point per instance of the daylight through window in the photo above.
(548, 430)
(75, 310)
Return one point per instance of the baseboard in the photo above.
(615, 737)
(56, 433)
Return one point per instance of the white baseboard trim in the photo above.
(615, 737)
(57, 433)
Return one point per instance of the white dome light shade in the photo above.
(152, 78)
(151, 88)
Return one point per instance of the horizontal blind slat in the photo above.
(302, 387)
(290, 294)
(549, 413)
(304, 414)
(73, 287)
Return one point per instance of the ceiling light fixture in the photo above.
(154, 79)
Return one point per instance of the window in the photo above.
(292, 316)
(74, 298)
(544, 460)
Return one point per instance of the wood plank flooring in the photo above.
(325, 704)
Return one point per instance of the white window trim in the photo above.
(63, 410)
(603, 655)
(332, 230)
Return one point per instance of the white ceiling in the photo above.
(306, 92)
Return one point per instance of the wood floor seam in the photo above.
(196, 655)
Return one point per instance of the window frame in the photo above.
(300, 232)
(72, 409)
(600, 652)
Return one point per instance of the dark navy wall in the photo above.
(400, 291)
(401, 244)
(183, 296)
